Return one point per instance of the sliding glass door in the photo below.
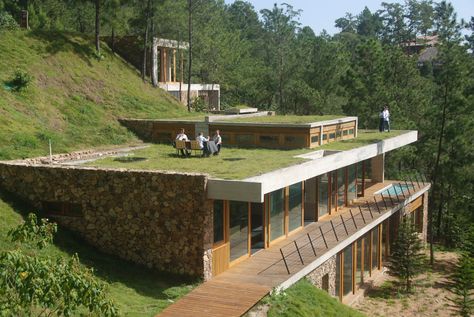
(238, 229)
(277, 214)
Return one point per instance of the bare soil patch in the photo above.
(431, 293)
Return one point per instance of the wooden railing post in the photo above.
(284, 261)
(362, 214)
(384, 202)
(408, 187)
(370, 210)
(311, 242)
(324, 238)
(298, 249)
(377, 205)
(352, 216)
(391, 199)
(344, 224)
(401, 189)
(334, 230)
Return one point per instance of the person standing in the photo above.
(218, 141)
(386, 119)
(203, 143)
(381, 120)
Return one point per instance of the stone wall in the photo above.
(161, 220)
(316, 276)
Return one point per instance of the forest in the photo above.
(269, 60)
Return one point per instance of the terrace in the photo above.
(232, 163)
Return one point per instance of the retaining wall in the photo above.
(161, 220)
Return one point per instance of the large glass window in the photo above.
(277, 214)
(375, 242)
(341, 187)
(218, 221)
(239, 221)
(347, 270)
(338, 274)
(358, 272)
(366, 239)
(295, 206)
(384, 240)
(351, 183)
(323, 207)
(310, 200)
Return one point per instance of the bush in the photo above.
(7, 22)
(21, 80)
(199, 104)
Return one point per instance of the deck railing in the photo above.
(367, 211)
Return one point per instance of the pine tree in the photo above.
(463, 287)
(407, 258)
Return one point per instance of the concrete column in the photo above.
(377, 163)
(424, 234)
(154, 63)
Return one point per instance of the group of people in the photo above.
(384, 119)
(202, 141)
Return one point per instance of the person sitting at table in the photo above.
(203, 143)
(181, 136)
(218, 141)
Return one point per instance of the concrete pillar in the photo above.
(377, 163)
(424, 233)
(154, 63)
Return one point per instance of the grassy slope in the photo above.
(136, 290)
(74, 98)
(305, 300)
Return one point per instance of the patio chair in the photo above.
(195, 147)
(180, 146)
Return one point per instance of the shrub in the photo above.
(7, 22)
(463, 286)
(21, 80)
(199, 104)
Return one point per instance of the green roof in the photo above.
(232, 163)
(283, 119)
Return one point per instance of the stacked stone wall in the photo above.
(161, 220)
(316, 276)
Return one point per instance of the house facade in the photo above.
(331, 217)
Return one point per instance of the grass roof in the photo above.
(284, 119)
(232, 163)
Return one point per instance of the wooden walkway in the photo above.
(238, 289)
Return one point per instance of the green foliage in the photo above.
(21, 80)
(199, 105)
(305, 300)
(7, 22)
(407, 259)
(463, 285)
(33, 232)
(44, 286)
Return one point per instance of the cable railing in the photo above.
(367, 211)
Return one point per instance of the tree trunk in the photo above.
(113, 40)
(145, 39)
(190, 55)
(97, 26)
(435, 171)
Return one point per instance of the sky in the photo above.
(321, 15)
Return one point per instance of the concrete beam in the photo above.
(235, 190)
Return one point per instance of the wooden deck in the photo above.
(238, 289)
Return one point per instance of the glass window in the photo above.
(351, 131)
(338, 133)
(338, 274)
(295, 210)
(358, 272)
(384, 240)
(332, 136)
(245, 138)
(351, 183)
(295, 141)
(323, 207)
(315, 138)
(341, 187)
(238, 233)
(348, 270)
(345, 132)
(218, 221)
(325, 136)
(277, 214)
(366, 239)
(375, 239)
(269, 139)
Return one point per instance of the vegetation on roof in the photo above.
(364, 137)
(284, 119)
(305, 300)
(231, 163)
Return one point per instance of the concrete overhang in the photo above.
(253, 189)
